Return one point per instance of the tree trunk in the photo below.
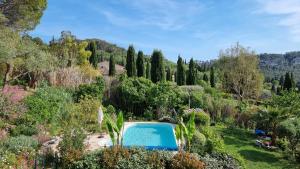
(32, 80)
(9, 69)
(274, 135)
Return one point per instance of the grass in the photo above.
(242, 142)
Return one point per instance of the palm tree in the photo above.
(273, 116)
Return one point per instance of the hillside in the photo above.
(276, 65)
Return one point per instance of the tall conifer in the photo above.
(140, 64)
(130, 66)
(157, 66)
(180, 72)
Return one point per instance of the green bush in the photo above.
(110, 110)
(20, 144)
(47, 104)
(90, 161)
(94, 90)
(26, 130)
(214, 142)
(201, 118)
(199, 143)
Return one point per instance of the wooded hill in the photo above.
(276, 65)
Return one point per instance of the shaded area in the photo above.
(258, 156)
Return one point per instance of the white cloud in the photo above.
(164, 14)
(289, 12)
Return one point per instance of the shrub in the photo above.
(47, 104)
(71, 148)
(199, 143)
(112, 156)
(122, 158)
(186, 160)
(90, 161)
(86, 113)
(10, 107)
(110, 110)
(201, 118)
(27, 130)
(7, 159)
(20, 144)
(214, 141)
(220, 161)
(95, 90)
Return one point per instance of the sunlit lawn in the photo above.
(243, 142)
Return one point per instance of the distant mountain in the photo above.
(276, 65)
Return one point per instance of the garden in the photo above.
(53, 93)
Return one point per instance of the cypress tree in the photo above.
(293, 81)
(273, 89)
(180, 72)
(212, 77)
(191, 76)
(140, 64)
(157, 66)
(169, 74)
(287, 82)
(112, 67)
(93, 58)
(130, 66)
(281, 81)
(205, 78)
(148, 73)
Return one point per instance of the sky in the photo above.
(196, 29)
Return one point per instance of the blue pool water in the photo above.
(150, 136)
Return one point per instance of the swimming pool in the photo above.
(152, 136)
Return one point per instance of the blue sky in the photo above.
(191, 28)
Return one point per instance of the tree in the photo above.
(180, 72)
(112, 68)
(94, 57)
(9, 49)
(271, 117)
(191, 77)
(130, 66)
(169, 75)
(205, 77)
(290, 128)
(22, 15)
(148, 71)
(287, 82)
(281, 81)
(212, 77)
(239, 72)
(293, 81)
(140, 64)
(157, 66)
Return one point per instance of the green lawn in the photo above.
(242, 142)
